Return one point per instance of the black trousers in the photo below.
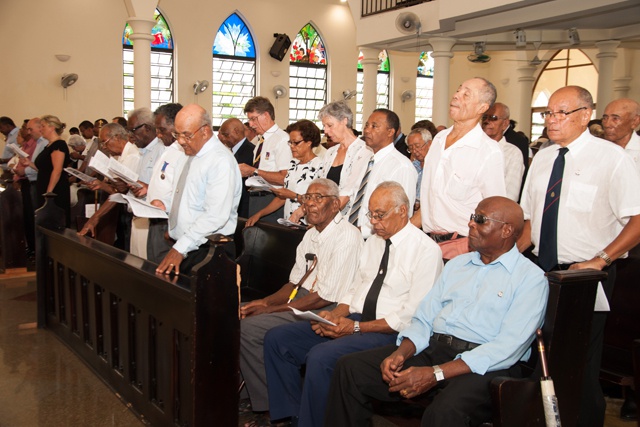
(461, 401)
(28, 190)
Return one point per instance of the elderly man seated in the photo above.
(477, 322)
(399, 265)
(337, 245)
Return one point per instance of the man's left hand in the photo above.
(246, 170)
(343, 327)
(170, 263)
(413, 381)
(596, 263)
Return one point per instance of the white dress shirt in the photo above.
(633, 149)
(415, 262)
(599, 193)
(388, 165)
(513, 169)
(130, 156)
(210, 197)
(455, 180)
(338, 249)
(164, 177)
(149, 157)
(353, 168)
(276, 154)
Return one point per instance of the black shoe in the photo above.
(629, 409)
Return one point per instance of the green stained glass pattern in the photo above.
(308, 47)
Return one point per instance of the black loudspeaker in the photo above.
(280, 46)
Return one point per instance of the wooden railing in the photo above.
(168, 347)
(371, 7)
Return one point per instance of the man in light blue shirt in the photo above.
(206, 195)
(476, 323)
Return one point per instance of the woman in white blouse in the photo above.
(304, 135)
(346, 162)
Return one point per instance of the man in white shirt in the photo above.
(386, 164)
(495, 122)
(337, 245)
(206, 194)
(620, 120)
(398, 267)
(463, 167)
(272, 155)
(10, 132)
(582, 210)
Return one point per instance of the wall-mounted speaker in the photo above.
(280, 46)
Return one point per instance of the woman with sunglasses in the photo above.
(304, 135)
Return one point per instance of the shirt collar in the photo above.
(382, 153)
(273, 129)
(397, 238)
(577, 145)
(634, 142)
(507, 259)
(236, 147)
(321, 236)
(208, 146)
(149, 146)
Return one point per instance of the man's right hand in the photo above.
(391, 365)
(253, 308)
(89, 228)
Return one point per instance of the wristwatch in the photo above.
(605, 257)
(255, 172)
(437, 371)
(356, 327)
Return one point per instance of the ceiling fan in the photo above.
(478, 54)
(535, 61)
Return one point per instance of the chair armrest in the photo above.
(516, 402)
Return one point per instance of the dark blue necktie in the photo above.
(371, 300)
(548, 250)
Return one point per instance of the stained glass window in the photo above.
(307, 75)
(424, 87)
(382, 85)
(161, 64)
(234, 70)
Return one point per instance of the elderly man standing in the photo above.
(206, 194)
(582, 207)
(418, 143)
(398, 267)
(337, 244)
(620, 120)
(232, 134)
(272, 156)
(463, 167)
(494, 123)
(475, 324)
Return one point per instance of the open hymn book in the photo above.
(112, 169)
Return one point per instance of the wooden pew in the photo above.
(167, 346)
(13, 250)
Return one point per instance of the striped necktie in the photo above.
(256, 161)
(355, 208)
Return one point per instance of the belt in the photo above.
(453, 342)
(157, 220)
(438, 238)
(259, 193)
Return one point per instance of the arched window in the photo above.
(234, 70)
(307, 75)
(382, 97)
(161, 64)
(424, 87)
(566, 67)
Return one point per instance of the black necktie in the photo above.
(548, 250)
(371, 301)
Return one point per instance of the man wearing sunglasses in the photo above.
(399, 264)
(582, 206)
(337, 245)
(477, 322)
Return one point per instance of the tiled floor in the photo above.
(42, 383)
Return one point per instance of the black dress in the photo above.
(45, 168)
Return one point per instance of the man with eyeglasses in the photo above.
(337, 245)
(620, 120)
(463, 167)
(494, 123)
(418, 143)
(477, 322)
(582, 209)
(271, 158)
(399, 264)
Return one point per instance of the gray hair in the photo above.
(114, 130)
(424, 134)
(76, 141)
(488, 93)
(332, 187)
(584, 96)
(339, 110)
(144, 115)
(398, 195)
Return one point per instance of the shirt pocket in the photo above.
(581, 196)
(458, 188)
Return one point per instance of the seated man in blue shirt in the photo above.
(476, 323)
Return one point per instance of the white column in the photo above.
(606, 55)
(442, 59)
(525, 85)
(370, 62)
(621, 87)
(141, 37)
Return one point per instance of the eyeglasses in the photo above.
(379, 216)
(491, 118)
(187, 138)
(296, 143)
(316, 197)
(254, 118)
(560, 115)
(481, 219)
(106, 141)
(136, 128)
(414, 149)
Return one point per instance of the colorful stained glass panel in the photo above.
(234, 39)
(162, 38)
(308, 47)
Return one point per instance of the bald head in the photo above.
(193, 127)
(620, 119)
(495, 228)
(231, 132)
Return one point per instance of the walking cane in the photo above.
(549, 399)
